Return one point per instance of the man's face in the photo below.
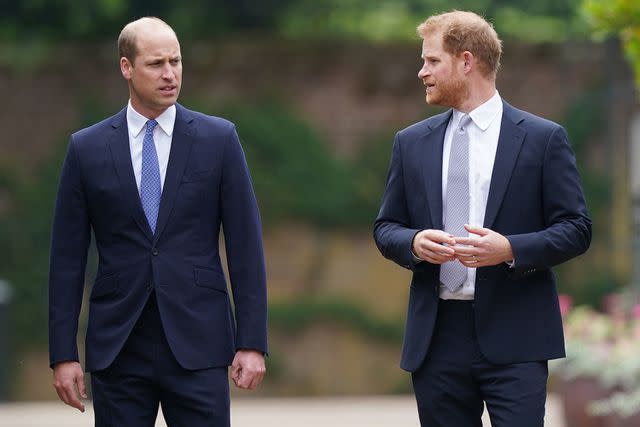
(156, 74)
(442, 74)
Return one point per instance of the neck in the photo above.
(479, 93)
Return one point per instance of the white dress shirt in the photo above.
(483, 142)
(162, 133)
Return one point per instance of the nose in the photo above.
(167, 72)
(423, 72)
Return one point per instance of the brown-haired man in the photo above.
(156, 182)
(480, 202)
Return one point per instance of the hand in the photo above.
(428, 245)
(486, 248)
(247, 369)
(68, 380)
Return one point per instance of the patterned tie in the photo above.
(453, 273)
(150, 181)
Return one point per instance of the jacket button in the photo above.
(155, 252)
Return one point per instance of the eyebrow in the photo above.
(162, 58)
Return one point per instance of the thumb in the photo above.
(480, 231)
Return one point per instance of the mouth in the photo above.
(429, 87)
(168, 90)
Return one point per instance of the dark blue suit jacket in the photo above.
(207, 185)
(535, 200)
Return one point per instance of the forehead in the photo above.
(157, 41)
(432, 45)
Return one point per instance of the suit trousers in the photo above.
(455, 380)
(146, 374)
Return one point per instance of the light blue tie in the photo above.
(150, 190)
(453, 274)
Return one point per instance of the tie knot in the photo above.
(151, 125)
(465, 120)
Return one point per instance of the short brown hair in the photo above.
(127, 42)
(466, 31)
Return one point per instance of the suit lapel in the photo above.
(121, 153)
(178, 156)
(432, 145)
(509, 144)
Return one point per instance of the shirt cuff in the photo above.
(511, 263)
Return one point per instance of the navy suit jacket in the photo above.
(207, 185)
(535, 200)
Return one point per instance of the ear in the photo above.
(125, 68)
(469, 61)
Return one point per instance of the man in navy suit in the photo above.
(480, 202)
(155, 183)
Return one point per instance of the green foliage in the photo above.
(25, 231)
(542, 20)
(295, 175)
(95, 19)
(621, 18)
(26, 56)
(300, 314)
(583, 121)
(24, 237)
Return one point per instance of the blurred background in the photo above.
(317, 90)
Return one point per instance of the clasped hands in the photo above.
(484, 248)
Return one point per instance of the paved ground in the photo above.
(247, 412)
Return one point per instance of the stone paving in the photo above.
(383, 411)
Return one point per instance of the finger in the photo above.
(261, 375)
(465, 250)
(439, 249)
(466, 241)
(437, 237)
(61, 395)
(71, 398)
(236, 374)
(81, 386)
(471, 263)
(471, 260)
(75, 401)
(255, 382)
(245, 381)
(235, 370)
(251, 385)
(257, 379)
(481, 231)
(437, 259)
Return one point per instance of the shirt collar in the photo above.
(136, 121)
(484, 114)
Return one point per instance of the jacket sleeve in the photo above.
(568, 227)
(243, 241)
(392, 229)
(69, 244)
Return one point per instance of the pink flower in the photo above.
(612, 304)
(566, 302)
